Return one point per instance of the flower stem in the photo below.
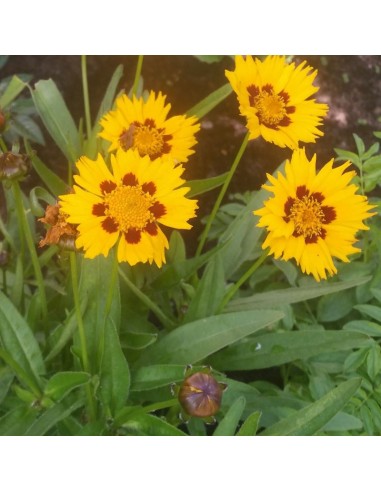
(86, 99)
(110, 295)
(221, 195)
(3, 145)
(31, 246)
(146, 300)
(233, 289)
(137, 75)
(81, 331)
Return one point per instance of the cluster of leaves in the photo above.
(318, 342)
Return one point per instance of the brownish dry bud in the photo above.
(13, 166)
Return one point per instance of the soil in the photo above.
(351, 85)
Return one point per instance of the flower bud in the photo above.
(200, 395)
(13, 166)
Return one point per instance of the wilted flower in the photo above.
(59, 232)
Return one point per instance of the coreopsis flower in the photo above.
(275, 99)
(200, 394)
(144, 126)
(313, 216)
(125, 206)
(59, 231)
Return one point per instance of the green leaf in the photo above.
(370, 310)
(309, 420)
(55, 184)
(17, 421)
(171, 275)
(250, 426)
(274, 349)
(35, 195)
(292, 295)
(228, 425)
(363, 326)
(109, 95)
(15, 86)
(210, 102)
(115, 373)
(6, 378)
(158, 376)
(335, 306)
(177, 250)
(149, 425)
(241, 236)
(18, 340)
(342, 422)
(373, 362)
(61, 383)
(209, 292)
(28, 128)
(359, 144)
(138, 340)
(57, 118)
(95, 283)
(51, 416)
(194, 341)
(63, 333)
(200, 186)
(105, 106)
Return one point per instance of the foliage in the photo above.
(92, 347)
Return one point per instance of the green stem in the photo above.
(221, 195)
(146, 300)
(31, 246)
(3, 145)
(110, 295)
(86, 99)
(137, 75)
(82, 335)
(233, 289)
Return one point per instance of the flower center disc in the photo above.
(147, 140)
(129, 207)
(271, 108)
(308, 216)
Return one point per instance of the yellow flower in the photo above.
(126, 206)
(143, 126)
(274, 97)
(313, 216)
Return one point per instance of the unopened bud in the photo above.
(200, 394)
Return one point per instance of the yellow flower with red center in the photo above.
(144, 126)
(125, 206)
(313, 216)
(275, 99)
